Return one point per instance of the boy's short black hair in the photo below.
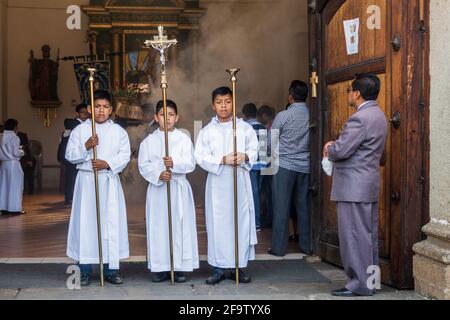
(11, 124)
(81, 106)
(250, 110)
(221, 91)
(299, 91)
(103, 95)
(266, 110)
(170, 104)
(70, 124)
(368, 84)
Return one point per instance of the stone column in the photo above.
(432, 256)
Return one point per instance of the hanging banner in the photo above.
(101, 78)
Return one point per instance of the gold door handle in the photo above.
(314, 81)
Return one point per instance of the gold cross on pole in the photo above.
(161, 43)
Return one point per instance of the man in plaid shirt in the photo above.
(291, 183)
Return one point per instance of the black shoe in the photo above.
(243, 278)
(114, 278)
(274, 254)
(215, 279)
(161, 277)
(180, 277)
(344, 292)
(85, 280)
(16, 213)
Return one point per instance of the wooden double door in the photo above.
(390, 39)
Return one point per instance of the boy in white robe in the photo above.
(11, 173)
(158, 170)
(214, 153)
(113, 154)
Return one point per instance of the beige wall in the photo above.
(440, 110)
(32, 24)
(268, 40)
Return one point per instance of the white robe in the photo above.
(184, 229)
(82, 242)
(11, 174)
(214, 142)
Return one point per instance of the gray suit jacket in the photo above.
(357, 154)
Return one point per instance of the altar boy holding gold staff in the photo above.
(153, 166)
(214, 153)
(113, 150)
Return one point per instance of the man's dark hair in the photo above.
(70, 124)
(299, 91)
(170, 104)
(103, 95)
(11, 124)
(368, 84)
(249, 110)
(221, 91)
(267, 110)
(80, 106)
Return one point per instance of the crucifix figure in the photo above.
(161, 43)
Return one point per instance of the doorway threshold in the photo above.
(135, 259)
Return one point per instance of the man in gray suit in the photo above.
(356, 184)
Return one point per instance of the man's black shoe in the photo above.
(16, 213)
(114, 278)
(215, 279)
(344, 292)
(160, 277)
(274, 254)
(85, 280)
(243, 278)
(180, 277)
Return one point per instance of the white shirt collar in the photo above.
(364, 104)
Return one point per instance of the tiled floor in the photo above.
(42, 232)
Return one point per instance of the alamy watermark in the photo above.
(74, 280)
(374, 280)
(73, 22)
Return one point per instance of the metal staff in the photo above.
(162, 43)
(97, 202)
(233, 73)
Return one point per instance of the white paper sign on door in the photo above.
(351, 28)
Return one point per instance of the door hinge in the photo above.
(314, 189)
(395, 120)
(396, 43)
(313, 5)
(395, 196)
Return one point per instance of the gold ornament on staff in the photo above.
(162, 43)
(233, 73)
(97, 202)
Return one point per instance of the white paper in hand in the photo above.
(327, 167)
